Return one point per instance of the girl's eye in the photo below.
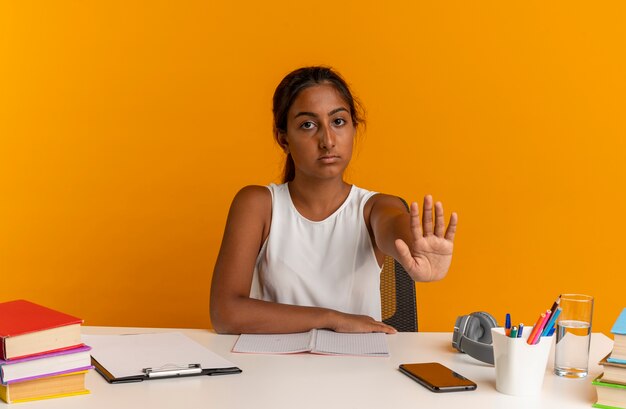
(339, 122)
(307, 125)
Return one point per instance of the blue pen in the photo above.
(551, 323)
(507, 324)
(519, 330)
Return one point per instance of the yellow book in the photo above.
(45, 388)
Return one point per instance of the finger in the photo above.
(440, 223)
(416, 227)
(427, 216)
(404, 253)
(387, 329)
(379, 326)
(452, 227)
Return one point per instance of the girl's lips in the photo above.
(329, 159)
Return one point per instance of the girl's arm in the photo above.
(232, 309)
(424, 249)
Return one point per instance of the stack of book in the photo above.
(41, 353)
(611, 385)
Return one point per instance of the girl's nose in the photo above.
(327, 138)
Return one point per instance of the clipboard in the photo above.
(139, 357)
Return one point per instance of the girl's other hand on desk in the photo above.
(343, 322)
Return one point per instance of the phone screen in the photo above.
(436, 377)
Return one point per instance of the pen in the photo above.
(514, 332)
(551, 322)
(520, 329)
(531, 337)
(507, 324)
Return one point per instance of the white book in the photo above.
(316, 341)
(55, 363)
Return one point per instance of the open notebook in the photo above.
(317, 341)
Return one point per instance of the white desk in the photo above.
(320, 382)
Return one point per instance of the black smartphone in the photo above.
(436, 377)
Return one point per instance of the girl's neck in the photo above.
(317, 201)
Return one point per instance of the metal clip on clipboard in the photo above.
(170, 370)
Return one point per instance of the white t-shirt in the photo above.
(329, 263)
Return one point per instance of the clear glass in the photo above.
(573, 336)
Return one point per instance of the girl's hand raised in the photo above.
(428, 255)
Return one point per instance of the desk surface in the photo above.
(317, 381)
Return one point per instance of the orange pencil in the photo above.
(542, 324)
(533, 333)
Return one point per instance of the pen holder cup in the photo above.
(520, 367)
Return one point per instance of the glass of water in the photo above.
(573, 336)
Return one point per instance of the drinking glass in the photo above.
(573, 336)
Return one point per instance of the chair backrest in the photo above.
(397, 292)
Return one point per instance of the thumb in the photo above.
(404, 253)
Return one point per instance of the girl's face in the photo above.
(320, 133)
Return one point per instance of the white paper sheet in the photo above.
(128, 355)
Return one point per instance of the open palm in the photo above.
(427, 256)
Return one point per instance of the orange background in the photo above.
(127, 127)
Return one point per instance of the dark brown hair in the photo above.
(291, 86)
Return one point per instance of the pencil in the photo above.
(551, 322)
(542, 324)
(555, 304)
(531, 337)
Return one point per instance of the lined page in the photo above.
(335, 343)
(273, 343)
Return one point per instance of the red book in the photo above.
(29, 329)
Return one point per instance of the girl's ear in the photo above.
(281, 138)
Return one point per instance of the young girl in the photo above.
(308, 253)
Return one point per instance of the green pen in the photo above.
(513, 332)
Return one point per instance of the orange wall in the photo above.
(127, 127)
